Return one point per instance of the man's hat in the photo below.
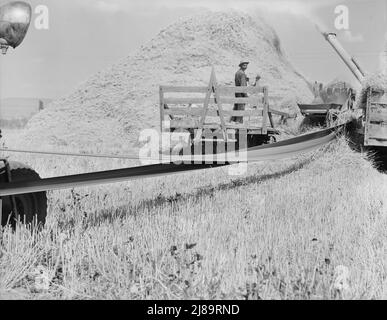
(243, 62)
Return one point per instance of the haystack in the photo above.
(107, 112)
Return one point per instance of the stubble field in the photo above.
(308, 228)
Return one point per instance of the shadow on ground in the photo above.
(108, 215)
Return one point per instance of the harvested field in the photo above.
(283, 231)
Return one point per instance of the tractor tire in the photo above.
(31, 207)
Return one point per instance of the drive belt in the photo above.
(283, 149)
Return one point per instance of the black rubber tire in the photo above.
(379, 155)
(32, 207)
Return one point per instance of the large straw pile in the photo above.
(108, 111)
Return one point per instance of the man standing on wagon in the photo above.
(241, 80)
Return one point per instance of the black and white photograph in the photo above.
(210, 152)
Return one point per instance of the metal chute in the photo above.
(351, 63)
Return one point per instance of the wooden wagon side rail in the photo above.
(198, 111)
(222, 100)
(232, 90)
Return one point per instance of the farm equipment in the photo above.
(15, 19)
(368, 128)
(351, 63)
(203, 115)
(329, 103)
(200, 116)
(372, 124)
(375, 126)
(337, 97)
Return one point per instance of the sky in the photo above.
(86, 36)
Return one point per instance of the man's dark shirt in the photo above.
(240, 78)
(240, 81)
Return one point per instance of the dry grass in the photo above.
(280, 232)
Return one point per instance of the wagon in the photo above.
(203, 115)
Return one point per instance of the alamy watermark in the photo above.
(181, 148)
(41, 20)
(342, 17)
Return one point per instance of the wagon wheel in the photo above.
(31, 207)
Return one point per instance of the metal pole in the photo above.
(348, 60)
